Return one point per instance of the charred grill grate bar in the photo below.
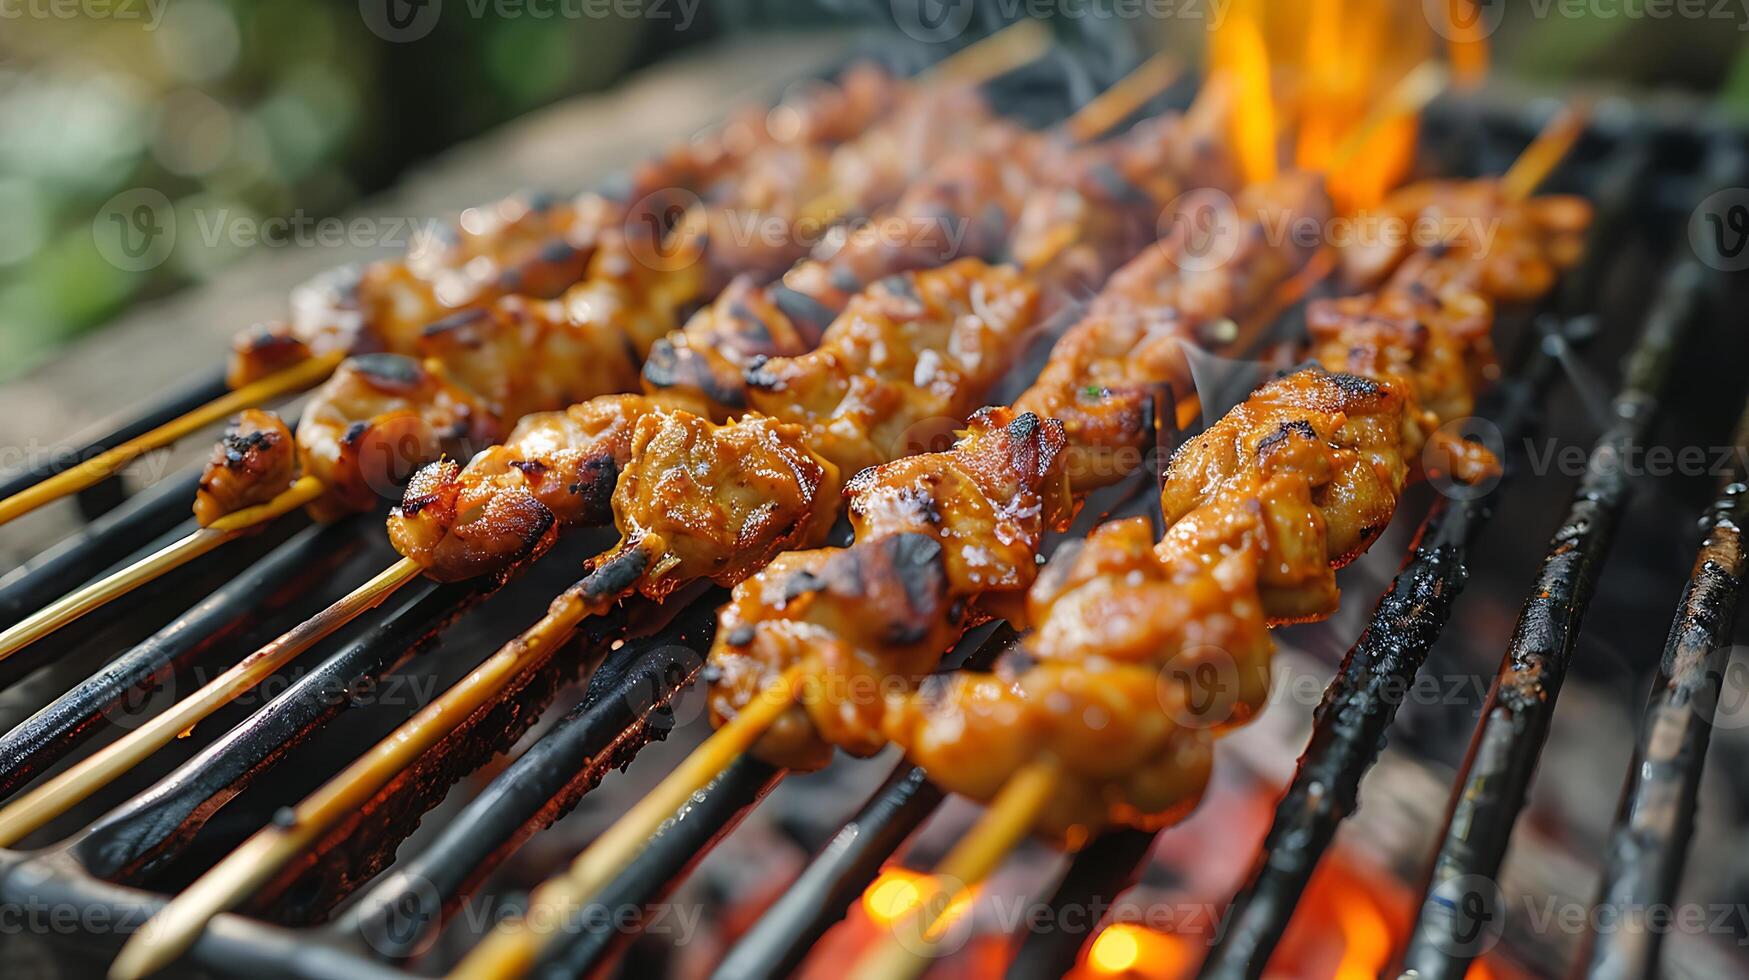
(1458, 895)
(170, 407)
(1656, 818)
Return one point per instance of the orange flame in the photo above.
(1366, 936)
(1382, 162)
(1240, 52)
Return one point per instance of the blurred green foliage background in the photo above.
(266, 108)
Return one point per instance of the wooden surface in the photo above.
(96, 381)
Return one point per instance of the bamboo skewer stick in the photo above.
(907, 952)
(298, 377)
(989, 57)
(174, 555)
(1125, 96)
(999, 53)
(254, 864)
(1550, 147)
(510, 950)
(55, 797)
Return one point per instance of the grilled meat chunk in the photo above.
(254, 462)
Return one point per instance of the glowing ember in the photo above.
(895, 894)
(1366, 937)
(1123, 949)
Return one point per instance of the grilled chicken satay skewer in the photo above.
(768, 476)
(384, 414)
(1261, 510)
(885, 395)
(1012, 461)
(772, 628)
(560, 470)
(698, 500)
(523, 245)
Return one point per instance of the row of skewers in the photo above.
(788, 401)
(1098, 719)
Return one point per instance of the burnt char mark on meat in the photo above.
(454, 322)
(239, 445)
(559, 251)
(1355, 385)
(264, 337)
(916, 561)
(843, 278)
(800, 584)
(669, 366)
(597, 477)
(756, 329)
(617, 574)
(1299, 427)
(804, 311)
(1023, 427)
(760, 379)
(902, 286)
(389, 369)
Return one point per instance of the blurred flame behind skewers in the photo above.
(1466, 41)
(1348, 99)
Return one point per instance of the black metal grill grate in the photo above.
(162, 833)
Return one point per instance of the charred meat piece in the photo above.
(933, 532)
(510, 502)
(254, 462)
(380, 418)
